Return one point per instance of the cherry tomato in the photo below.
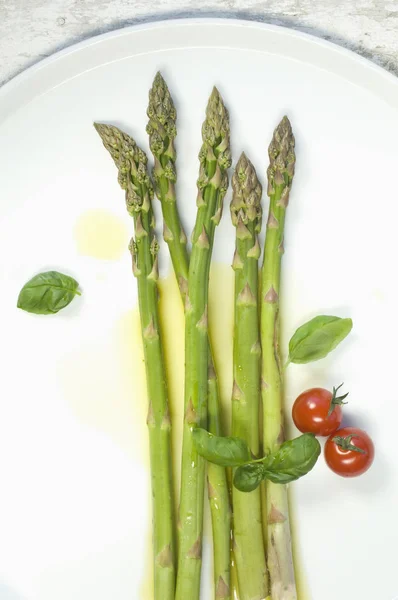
(349, 452)
(318, 411)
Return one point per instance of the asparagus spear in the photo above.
(215, 158)
(162, 131)
(218, 494)
(280, 174)
(131, 162)
(246, 215)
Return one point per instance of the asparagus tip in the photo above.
(247, 191)
(283, 134)
(282, 158)
(216, 103)
(215, 130)
(285, 124)
(131, 161)
(115, 140)
(162, 117)
(159, 89)
(103, 130)
(159, 79)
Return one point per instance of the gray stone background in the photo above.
(33, 29)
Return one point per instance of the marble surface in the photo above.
(33, 29)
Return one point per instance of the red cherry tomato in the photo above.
(349, 452)
(318, 411)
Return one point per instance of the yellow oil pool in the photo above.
(120, 374)
(101, 234)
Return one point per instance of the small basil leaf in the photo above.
(294, 459)
(223, 451)
(248, 477)
(318, 337)
(47, 293)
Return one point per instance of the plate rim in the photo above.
(38, 71)
(40, 66)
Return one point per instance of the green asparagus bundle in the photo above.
(280, 174)
(131, 163)
(215, 159)
(260, 550)
(246, 215)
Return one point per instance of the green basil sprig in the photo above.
(294, 459)
(223, 451)
(291, 461)
(315, 339)
(248, 477)
(47, 293)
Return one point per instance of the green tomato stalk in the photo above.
(215, 159)
(131, 162)
(280, 174)
(246, 216)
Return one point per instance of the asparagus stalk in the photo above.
(215, 158)
(131, 162)
(162, 131)
(246, 215)
(218, 494)
(280, 174)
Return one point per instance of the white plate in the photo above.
(74, 510)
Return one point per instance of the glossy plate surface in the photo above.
(74, 504)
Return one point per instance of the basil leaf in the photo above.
(248, 477)
(318, 337)
(294, 459)
(223, 451)
(47, 293)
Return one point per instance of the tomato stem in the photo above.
(337, 400)
(345, 443)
